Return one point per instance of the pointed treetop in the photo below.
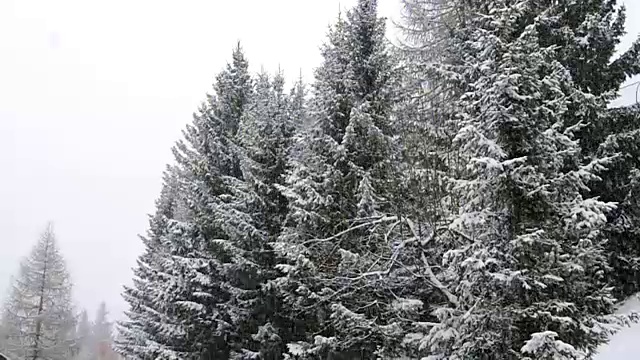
(47, 241)
(279, 81)
(369, 6)
(238, 48)
(239, 60)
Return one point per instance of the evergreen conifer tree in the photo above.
(38, 316)
(336, 284)
(587, 34)
(298, 109)
(524, 260)
(267, 130)
(216, 252)
(101, 330)
(152, 328)
(83, 337)
(620, 134)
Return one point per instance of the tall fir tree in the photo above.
(267, 130)
(311, 190)
(83, 337)
(38, 315)
(524, 262)
(151, 329)
(216, 252)
(335, 286)
(102, 332)
(588, 34)
(298, 109)
(95, 337)
(198, 289)
(620, 134)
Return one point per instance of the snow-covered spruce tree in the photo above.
(101, 331)
(38, 317)
(266, 133)
(83, 337)
(94, 338)
(587, 33)
(311, 190)
(217, 253)
(151, 329)
(338, 288)
(621, 183)
(298, 109)
(524, 277)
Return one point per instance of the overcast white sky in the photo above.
(93, 93)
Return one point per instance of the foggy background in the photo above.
(93, 95)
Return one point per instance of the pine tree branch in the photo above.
(351, 229)
(430, 275)
(434, 280)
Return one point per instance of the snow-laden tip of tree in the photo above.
(37, 319)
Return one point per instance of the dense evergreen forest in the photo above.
(467, 195)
